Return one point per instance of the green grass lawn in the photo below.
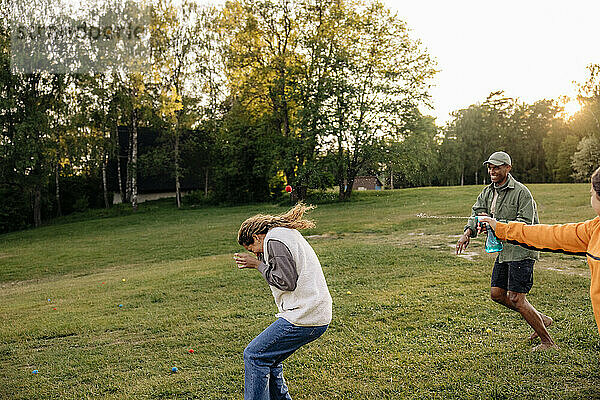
(411, 319)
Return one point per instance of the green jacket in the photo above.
(514, 203)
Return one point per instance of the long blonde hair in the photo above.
(260, 223)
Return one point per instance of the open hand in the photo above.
(464, 241)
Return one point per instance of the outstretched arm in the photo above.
(570, 238)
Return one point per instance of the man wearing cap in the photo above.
(506, 200)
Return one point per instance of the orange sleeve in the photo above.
(570, 238)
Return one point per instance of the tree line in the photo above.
(546, 145)
(253, 95)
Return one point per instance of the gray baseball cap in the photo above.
(498, 158)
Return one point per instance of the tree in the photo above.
(136, 104)
(262, 67)
(451, 160)
(30, 138)
(176, 42)
(501, 124)
(32, 118)
(317, 23)
(100, 107)
(589, 95)
(247, 157)
(379, 75)
(211, 42)
(528, 126)
(413, 161)
(587, 124)
(559, 145)
(585, 160)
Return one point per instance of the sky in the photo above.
(531, 49)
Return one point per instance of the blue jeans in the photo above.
(263, 356)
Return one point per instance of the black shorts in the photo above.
(515, 276)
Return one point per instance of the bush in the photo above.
(198, 198)
(312, 197)
(322, 197)
(78, 193)
(585, 160)
(15, 213)
(81, 204)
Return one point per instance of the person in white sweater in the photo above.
(291, 268)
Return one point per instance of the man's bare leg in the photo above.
(518, 302)
(533, 318)
(547, 322)
(500, 296)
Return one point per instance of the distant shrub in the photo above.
(198, 198)
(322, 197)
(312, 197)
(81, 204)
(78, 193)
(15, 211)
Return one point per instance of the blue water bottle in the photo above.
(492, 243)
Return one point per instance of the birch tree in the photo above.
(174, 43)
